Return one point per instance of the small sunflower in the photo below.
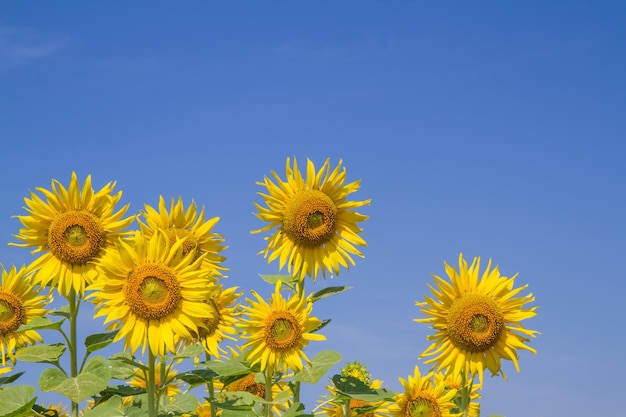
(277, 332)
(477, 321)
(71, 227)
(220, 324)
(455, 381)
(20, 302)
(188, 224)
(316, 228)
(151, 292)
(423, 398)
(58, 410)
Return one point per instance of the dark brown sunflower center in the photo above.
(191, 241)
(282, 330)
(310, 218)
(152, 291)
(475, 322)
(12, 313)
(211, 322)
(248, 384)
(76, 237)
(422, 407)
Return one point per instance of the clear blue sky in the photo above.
(496, 129)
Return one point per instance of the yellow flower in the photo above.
(477, 321)
(188, 224)
(71, 227)
(455, 381)
(151, 292)
(19, 304)
(220, 324)
(204, 410)
(421, 398)
(316, 228)
(58, 410)
(249, 384)
(277, 332)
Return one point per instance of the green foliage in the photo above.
(93, 379)
(41, 323)
(328, 291)
(17, 401)
(197, 377)
(40, 353)
(98, 341)
(320, 364)
(351, 387)
(113, 407)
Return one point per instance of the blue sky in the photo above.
(495, 129)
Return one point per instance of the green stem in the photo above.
(268, 390)
(151, 384)
(211, 387)
(346, 407)
(72, 345)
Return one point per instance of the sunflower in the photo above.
(19, 304)
(477, 321)
(151, 292)
(188, 224)
(455, 381)
(277, 332)
(71, 228)
(422, 398)
(58, 410)
(315, 227)
(248, 383)
(220, 324)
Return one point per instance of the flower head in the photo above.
(477, 321)
(20, 302)
(189, 224)
(152, 292)
(422, 398)
(71, 228)
(315, 227)
(278, 331)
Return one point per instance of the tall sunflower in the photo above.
(71, 228)
(277, 332)
(189, 224)
(423, 398)
(477, 321)
(20, 302)
(315, 226)
(152, 292)
(220, 324)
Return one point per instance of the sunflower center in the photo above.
(282, 330)
(11, 313)
(190, 243)
(475, 322)
(310, 218)
(76, 237)
(211, 322)
(152, 291)
(248, 384)
(422, 407)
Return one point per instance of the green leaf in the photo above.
(121, 366)
(328, 291)
(117, 391)
(197, 377)
(129, 361)
(17, 401)
(228, 368)
(236, 400)
(40, 323)
(93, 379)
(296, 410)
(288, 280)
(63, 312)
(320, 364)
(354, 388)
(111, 408)
(191, 351)
(180, 403)
(9, 379)
(40, 353)
(98, 341)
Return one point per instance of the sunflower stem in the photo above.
(346, 407)
(151, 385)
(72, 346)
(211, 388)
(268, 390)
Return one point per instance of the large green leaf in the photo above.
(40, 353)
(121, 366)
(197, 377)
(111, 408)
(9, 379)
(98, 341)
(228, 368)
(17, 401)
(93, 379)
(320, 364)
(180, 403)
(354, 388)
(191, 351)
(41, 323)
(328, 291)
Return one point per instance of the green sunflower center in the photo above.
(12, 313)
(475, 322)
(211, 322)
(76, 237)
(422, 407)
(152, 291)
(189, 245)
(310, 218)
(282, 330)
